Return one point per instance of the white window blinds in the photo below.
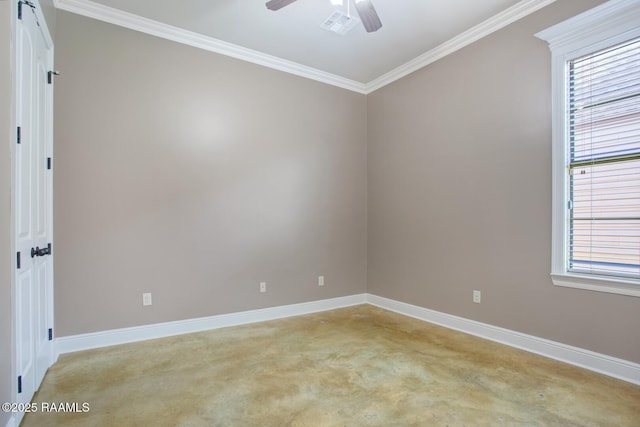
(604, 162)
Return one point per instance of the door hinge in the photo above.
(20, 384)
(50, 75)
(18, 260)
(28, 3)
(48, 163)
(18, 134)
(50, 334)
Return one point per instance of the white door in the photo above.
(33, 202)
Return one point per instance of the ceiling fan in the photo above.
(366, 11)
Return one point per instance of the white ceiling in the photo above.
(411, 28)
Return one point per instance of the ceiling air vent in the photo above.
(340, 23)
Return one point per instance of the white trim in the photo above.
(607, 365)
(141, 333)
(491, 25)
(606, 25)
(600, 23)
(609, 285)
(134, 22)
(42, 23)
(169, 32)
(13, 106)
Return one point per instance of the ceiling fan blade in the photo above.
(368, 15)
(278, 4)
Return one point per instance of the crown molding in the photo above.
(607, 20)
(134, 22)
(110, 15)
(491, 25)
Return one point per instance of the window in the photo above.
(596, 149)
(603, 155)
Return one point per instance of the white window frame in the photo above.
(611, 23)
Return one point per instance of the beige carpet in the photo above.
(360, 366)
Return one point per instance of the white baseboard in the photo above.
(607, 365)
(140, 333)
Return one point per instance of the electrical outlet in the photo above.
(263, 287)
(477, 297)
(320, 280)
(146, 298)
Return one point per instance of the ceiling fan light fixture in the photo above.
(340, 23)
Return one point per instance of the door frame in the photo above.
(17, 417)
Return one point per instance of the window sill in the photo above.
(613, 286)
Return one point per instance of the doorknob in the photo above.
(40, 251)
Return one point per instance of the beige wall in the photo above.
(5, 207)
(460, 194)
(195, 176)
